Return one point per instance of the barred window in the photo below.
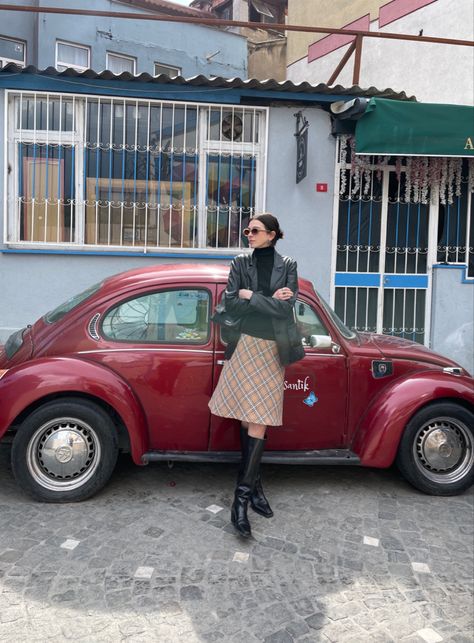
(130, 173)
(456, 226)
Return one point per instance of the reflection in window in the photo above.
(308, 322)
(141, 166)
(173, 316)
(134, 173)
(230, 198)
(47, 210)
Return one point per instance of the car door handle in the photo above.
(220, 362)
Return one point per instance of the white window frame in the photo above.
(68, 65)
(5, 61)
(178, 70)
(15, 135)
(124, 57)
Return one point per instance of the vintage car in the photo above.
(130, 364)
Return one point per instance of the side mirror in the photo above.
(320, 341)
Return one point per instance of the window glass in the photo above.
(172, 72)
(171, 316)
(230, 198)
(118, 64)
(308, 322)
(68, 55)
(138, 193)
(139, 179)
(12, 51)
(47, 184)
(45, 113)
(59, 312)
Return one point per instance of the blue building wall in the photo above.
(180, 45)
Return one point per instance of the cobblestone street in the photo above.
(350, 555)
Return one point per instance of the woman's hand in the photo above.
(283, 294)
(244, 293)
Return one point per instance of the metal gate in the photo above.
(381, 264)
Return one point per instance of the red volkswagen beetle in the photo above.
(130, 365)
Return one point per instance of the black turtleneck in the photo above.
(256, 324)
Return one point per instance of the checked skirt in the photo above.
(250, 387)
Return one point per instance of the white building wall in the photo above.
(432, 72)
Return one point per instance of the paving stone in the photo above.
(309, 576)
(282, 636)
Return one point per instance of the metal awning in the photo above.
(396, 128)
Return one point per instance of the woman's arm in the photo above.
(273, 306)
(233, 303)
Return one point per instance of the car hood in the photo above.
(395, 347)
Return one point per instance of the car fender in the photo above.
(380, 429)
(28, 383)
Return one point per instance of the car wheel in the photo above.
(64, 451)
(436, 452)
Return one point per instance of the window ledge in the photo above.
(178, 253)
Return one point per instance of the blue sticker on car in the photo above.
(311, 399)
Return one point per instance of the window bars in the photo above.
(129, 173)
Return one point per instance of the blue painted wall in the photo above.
(452, 333)
(179, 45)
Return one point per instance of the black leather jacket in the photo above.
(243, 274)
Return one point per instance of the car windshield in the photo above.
(344, 330)
(59, 312)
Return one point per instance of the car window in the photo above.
(308, 321)
(59, 312)
(169, 316)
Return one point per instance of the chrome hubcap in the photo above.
(443, 450)
(63, 454)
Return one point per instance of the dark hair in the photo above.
(271, 224)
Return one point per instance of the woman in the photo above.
(261, 292)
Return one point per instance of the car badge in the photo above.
(381, 368)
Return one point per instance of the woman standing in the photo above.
(261, 292)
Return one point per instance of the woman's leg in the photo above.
(258, 501)
(257, 430)
(248, 474)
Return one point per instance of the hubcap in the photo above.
(63, 454)
(443, 450)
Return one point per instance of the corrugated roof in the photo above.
(215, 82)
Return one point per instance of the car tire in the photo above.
(436, 452)
(65, 451)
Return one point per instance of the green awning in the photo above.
(399, 128)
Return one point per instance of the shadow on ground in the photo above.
(340, 560)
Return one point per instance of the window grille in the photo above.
(456, 225)
(130, 173)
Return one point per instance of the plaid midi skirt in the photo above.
(250, 387)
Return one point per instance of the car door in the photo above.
(160, 342)
(315, 397)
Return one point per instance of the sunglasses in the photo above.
(249, 231)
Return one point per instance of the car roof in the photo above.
(207, 272)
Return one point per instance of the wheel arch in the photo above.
(122, 432)
(34, 383)
(377, 437)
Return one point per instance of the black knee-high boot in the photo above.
(258, 501)
(246, 484)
